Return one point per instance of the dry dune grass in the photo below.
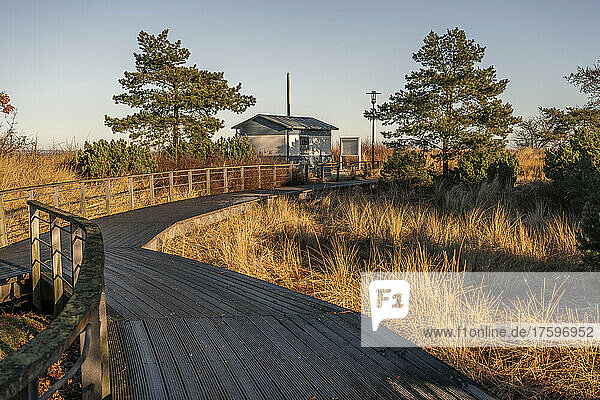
(321, 247)
(531, 164)
(19, 170)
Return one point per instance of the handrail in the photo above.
(89, 180)
(99, 196)
(105, 196)
(20, 370)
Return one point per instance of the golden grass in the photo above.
(531, 164)
(20, 170)
(321, 247)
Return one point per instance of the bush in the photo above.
(487, 162)
(407, 167)
(590, 231)
(573, 164)
(102, 158)
(237, 147)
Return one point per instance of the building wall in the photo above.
(269, 139)
(269, 145)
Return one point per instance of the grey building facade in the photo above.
(303, 140)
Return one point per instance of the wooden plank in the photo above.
(236, 288)
(34, 236)
(57, 275)
(152, 194)
(348, 326)
(82, 208)
(3, 239)
(107, 196)
(354, 373)
(149, 360)
(208, 181)
(216, 350)
(55, 196)
(76, 251)
(119, 370)
(242, 179)
(312, 368)
(259, 178)
(215, 380)
(377, 377)
(130, 191)
(167, 362)
(184, 356)
(195, 295)
(171, 189)
(282, 368)
(137, 380)
(242, 352)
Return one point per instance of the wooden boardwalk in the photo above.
(181, 329)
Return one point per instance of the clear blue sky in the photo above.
(61, 59)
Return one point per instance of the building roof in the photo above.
(291, 122)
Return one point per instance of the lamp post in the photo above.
(373, 94)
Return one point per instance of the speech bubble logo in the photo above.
(389, 300)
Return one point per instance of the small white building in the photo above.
(303, 140)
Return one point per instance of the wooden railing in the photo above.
(92, 198)
(75, 295)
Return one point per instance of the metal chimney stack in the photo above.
(288, 94)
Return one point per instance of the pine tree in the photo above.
(174, 101)
(450, 101)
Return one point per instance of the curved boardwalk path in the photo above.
(181, 329)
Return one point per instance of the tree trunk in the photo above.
(445, 158)
(176, 133)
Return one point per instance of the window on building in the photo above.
(304, 144)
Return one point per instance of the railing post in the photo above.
(189, 184)
(152, 197)
(305, 173)
(55, 197)
(130, 190)
(243, 178)
(225, 182)
(34, 236)
(57, 275)
(82, 199)
(3, 238)
(107, 195)
(208, 181)
(76, 251)
(259, 178)
(322, 172)
(104, 344)
(291, 172)
(171, 190)
(91, 369)
(274, 176)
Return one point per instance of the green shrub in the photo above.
(114, 158)
(589, 239)
(487, 162)
(573, 164)
(237, 147)
(407, 167)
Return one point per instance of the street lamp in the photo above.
(373, 94)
